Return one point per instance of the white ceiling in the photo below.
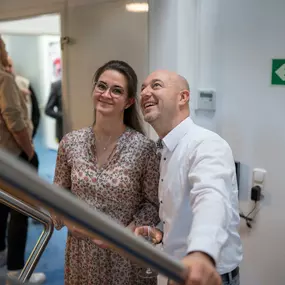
(16, 9)
(46, 24)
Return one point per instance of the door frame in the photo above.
(62, 10)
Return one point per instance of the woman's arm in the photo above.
(148, 211)
(62, 176)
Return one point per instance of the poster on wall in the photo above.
(55, 60)
(51, 72)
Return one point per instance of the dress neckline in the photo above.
(120, 145)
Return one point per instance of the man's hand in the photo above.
(154, 233)
(201, 270)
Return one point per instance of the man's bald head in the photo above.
(172, 78)
(164, 99)
(183, 83)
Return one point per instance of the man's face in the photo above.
(158, 99)
(3, 53)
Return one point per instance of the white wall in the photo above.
(15, 9)
(26, 57)
(250, 34)
(40, 25)
(30, 55)
(176, 43)
(99, 33)
(99, 30)
(46, 78)
(27, 42)
(228, 46)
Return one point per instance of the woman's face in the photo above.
(110, 94)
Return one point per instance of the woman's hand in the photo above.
(101, 244)
(132, 226)
(155, 234)
(76, 231)
(57, 221)
(81, 233)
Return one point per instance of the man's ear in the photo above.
(131, 101)
(184, 97)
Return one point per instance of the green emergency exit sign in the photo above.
(278, 72)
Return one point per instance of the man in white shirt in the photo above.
(198, 189)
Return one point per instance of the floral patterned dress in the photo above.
(125, 188)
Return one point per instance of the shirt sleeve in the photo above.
(211, 181)
(10, 105)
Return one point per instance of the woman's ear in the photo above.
(131, 101)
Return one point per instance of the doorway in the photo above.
(33, 44)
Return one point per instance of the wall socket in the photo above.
(258, 177)
(257, 188)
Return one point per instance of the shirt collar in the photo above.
(172, 139)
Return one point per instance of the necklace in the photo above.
(100, 140)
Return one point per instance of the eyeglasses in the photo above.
(114, 91)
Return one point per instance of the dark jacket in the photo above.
(54, 107)
(36, 114)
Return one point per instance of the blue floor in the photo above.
(52, 260)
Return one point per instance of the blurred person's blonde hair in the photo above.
(3, 53)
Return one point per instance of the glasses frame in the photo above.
(109, 90)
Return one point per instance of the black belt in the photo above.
(228, 277)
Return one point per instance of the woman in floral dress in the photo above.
(114, 168)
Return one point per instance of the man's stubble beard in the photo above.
(148, 118)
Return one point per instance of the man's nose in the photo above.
(146, 92)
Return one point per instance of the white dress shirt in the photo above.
(199, 197)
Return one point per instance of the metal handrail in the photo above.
(44, 238)
(21, 181)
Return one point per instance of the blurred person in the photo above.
(29, 95)
(114, 168)
(54, 108)
(16, 138)
(30, 99)
(198, 190)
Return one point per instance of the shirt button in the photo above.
(160, 202)
(164, 158)
(161, 180)
(163, 222)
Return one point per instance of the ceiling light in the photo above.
(137, 6)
